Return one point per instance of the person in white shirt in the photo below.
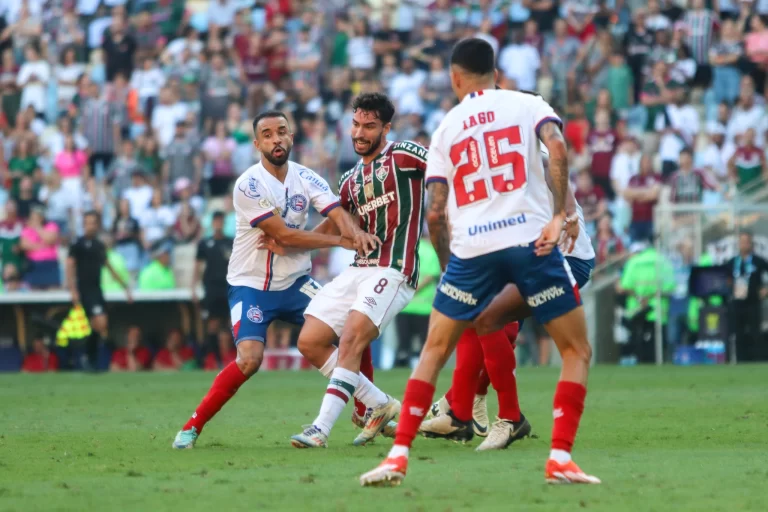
(67, 75)
(679, 128)
(167, 115)
(148, 80)
(746, 114)
(485, 173)
(33, 79)
(405, 86)
(272, 199)
(624, 166)
(717, 152)
(138, 195)
(520, 62)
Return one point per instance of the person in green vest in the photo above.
(645, 274)
(120, 267)
(414, 319)
(158, 275)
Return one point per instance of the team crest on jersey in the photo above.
(254, 314)
(297, 203)
(382, 173)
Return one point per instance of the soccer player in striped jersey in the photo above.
(386, 192)
(273, 198)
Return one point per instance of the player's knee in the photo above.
(353, 346)
(485, 325)
(249, 362)
(309, 349)
(578, 350)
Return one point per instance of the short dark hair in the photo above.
(377, 103)
(475, 56)
(687, 150)
(218, 214)
(266, 115)
(92, 213)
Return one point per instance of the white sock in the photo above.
(369, 394)
(560, 456)
(399, 450)
(330, 364)
(337, 394)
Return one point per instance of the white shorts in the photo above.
(378, 293)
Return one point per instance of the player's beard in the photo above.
(372, 147)
(279, 161)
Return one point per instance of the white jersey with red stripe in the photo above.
(259, 195)
(487, 150)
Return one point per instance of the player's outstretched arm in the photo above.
(364, 242)
(437, 220)
(275, 228)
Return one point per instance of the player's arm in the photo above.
(71, 277)
(364, 242)
(287, 237)
(572, 219)
(550, 135)
(437, 220)
(117, 278)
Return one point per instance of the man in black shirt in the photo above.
(749, 290)
(213, 253)
(87, 256)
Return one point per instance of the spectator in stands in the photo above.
(101, 122)
(659, 91)
(591, 198)
(119, 47)
(139, 194)
(58, 203)
(222, 352)
(71, 163)
(40, 242)
(120, 171)
(10, 236)
(217, 153)
(608, 246)
(175, 355)
(715, 157)
(133, 357)
(187, 227)
(148, 157)
(40, 359)
(747, 166)
(67, 74)
(724, 57)
(167, 115)
(27, 198)
(559, 55)
(33, 78)
(181, 159)
(688, 184)
(682, 261)
(642, 193)
(602, 143)
(126, 234)
(519, 61)
(23, 164)
(158, 275)
(156, 221)
(746, 114)
(749, 290)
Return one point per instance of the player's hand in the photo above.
(550, 236)
(365, 243)
(348, 243)
(270, 244)
(570, 234)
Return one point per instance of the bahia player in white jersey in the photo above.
(485, 166)
(272, 197)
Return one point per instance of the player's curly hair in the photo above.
(375, 102)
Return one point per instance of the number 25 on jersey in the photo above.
(469, 192)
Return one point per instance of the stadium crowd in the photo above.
(140, 109)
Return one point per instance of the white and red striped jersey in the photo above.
(257, 196)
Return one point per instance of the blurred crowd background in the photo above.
(140, 109)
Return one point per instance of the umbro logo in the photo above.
(370, 302)
(557, 413)
(416, 411)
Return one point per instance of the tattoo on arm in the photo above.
(437, 219)
(552, 138)
(570, 198)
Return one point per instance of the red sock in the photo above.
(418, 398)
(449, 396)
(500, 364)
(512, 329)
(569, 404)
(224, 387)
(366, 368)
(483, 382)
(469, 363)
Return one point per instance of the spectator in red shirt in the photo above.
(591, 197)
(40, 359)
(133, 357)
(175, 355)
(608, 245)
(576, 131)
(223, 354)
(642, 193)
(602, 142)
(688, 184)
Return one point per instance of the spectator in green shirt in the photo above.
(120, 267)
(158, 275)
(413, 321)
(22, 164)
(619, 82)
(646, 273)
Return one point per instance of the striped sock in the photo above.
(337, 394)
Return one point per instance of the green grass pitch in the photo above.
(662, 439)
